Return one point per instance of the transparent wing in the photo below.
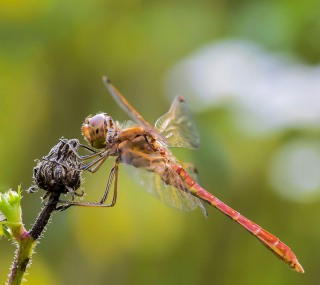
(124, 104)
(192, 172)
(178, 126)
(127, 125)
(156, 176)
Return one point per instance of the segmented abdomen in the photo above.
(282, 251)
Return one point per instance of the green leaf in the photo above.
(6, 232)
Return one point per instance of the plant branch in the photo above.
(44, 216)
(55, 180)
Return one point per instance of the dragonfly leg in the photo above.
(62, 208)
(98, 162)
(88, 156)
(83, 157)
(95, 169)
(103, 157)
(113, 175)
(88, 148)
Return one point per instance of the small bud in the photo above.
(10, 205)
(13, 197)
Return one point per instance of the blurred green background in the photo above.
(52, 57)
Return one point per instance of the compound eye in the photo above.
(97, 121)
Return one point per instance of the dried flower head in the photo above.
(53, 177)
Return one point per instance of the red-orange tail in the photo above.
(282, 251)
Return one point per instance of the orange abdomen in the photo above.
(282, 251)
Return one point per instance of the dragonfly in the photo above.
(144, 150)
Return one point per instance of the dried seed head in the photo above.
(51, 176)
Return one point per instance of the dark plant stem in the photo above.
(55, 180)
(44, 216)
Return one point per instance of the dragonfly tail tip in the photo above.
(296, 266)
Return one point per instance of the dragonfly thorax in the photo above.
(98, 130)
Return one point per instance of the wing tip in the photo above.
(105, 79)
(180, 98)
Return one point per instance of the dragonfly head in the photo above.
(98, 130)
